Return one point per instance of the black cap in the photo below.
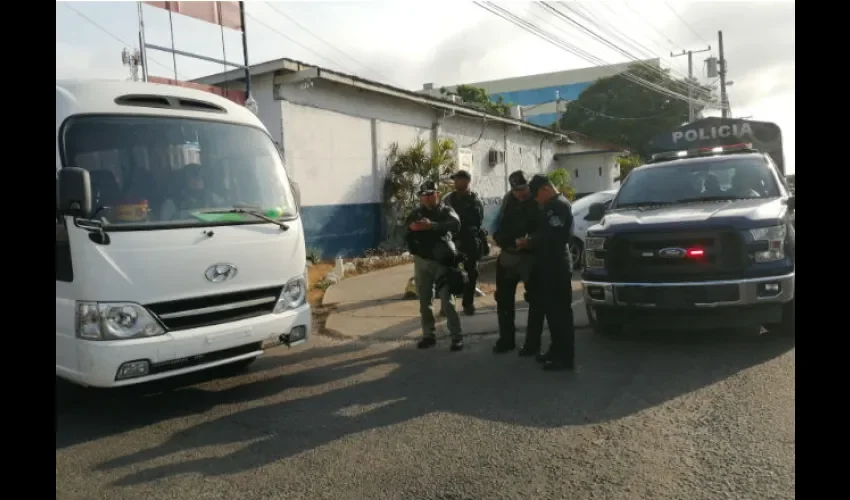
(517, 180)
(462, 174)
(427, 187)
(537, 182)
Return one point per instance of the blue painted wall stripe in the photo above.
(530, 97)
(349, 230)
(342, 230)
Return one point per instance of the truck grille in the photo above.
(214, 309)
(634, 257)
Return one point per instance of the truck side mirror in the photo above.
(595, 212)
(74, 192)
(792, 203)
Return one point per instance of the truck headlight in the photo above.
(775, 238)
(594, 252)
(293, 295)
(115, 321)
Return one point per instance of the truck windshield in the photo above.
(176, 171)
(723, 178)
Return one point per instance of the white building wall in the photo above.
(590, 173)
(335, 142)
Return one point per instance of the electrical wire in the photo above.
(684, 22)
(673, 45)
(308, 49)
(115, 37)
(537, 31)
(328, 44)
(614, 46)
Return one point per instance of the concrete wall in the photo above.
(523, 150)
(589, 171)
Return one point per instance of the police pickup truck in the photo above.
(694, 239)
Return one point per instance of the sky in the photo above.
(408, 43)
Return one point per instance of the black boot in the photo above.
(504, 345)
(426, 343)
(543, 357)
(529, 350)
(457, 345)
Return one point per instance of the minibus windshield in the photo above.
(177, 172)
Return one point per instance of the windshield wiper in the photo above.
(255, 213)
(716, 198)
(638, 204)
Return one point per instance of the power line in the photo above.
(613, 46)
(673, 44)
(684, 22)
(317, 37)
(108, 33)
(625, 40)
(537, 31)
(308, 49)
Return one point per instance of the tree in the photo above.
(617, 110)
(478, 97)
(627, 164)
(406, 170)
(561, 179)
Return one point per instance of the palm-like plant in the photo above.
(406, 170)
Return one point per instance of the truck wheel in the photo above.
(603, 322)
(577, 253)
(784, 328)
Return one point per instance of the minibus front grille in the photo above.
(196, 312)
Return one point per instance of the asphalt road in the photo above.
(670, 416)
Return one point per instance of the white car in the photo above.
(580, 224)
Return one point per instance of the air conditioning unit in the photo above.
(455, 99)
(493, 157)
(515, 112)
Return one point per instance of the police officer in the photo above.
(551, 273)
(429, 231)
(518, 217)
(470, 209)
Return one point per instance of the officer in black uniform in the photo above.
(470, 209)
(551, 273)
(430, 227)
(518, 218)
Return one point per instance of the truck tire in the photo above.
(604, 323)
(784, 328)
(577, 253)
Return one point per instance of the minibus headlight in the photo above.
(115, 321)
(294, 295)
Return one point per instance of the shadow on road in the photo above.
(323, 394)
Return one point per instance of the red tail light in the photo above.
(695, 253)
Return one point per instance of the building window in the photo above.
(600, 171)
(576, 173)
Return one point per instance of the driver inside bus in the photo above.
(193, 195)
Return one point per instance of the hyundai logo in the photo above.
(671, 253)
(219, 273)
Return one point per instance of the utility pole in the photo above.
(724, 100)
(691, 80)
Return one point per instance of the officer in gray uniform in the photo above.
(551, 271)
(429, 232)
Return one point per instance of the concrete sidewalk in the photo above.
(371, 307)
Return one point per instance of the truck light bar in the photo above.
(690, 153)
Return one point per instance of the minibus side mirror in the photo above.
(296, 191)
(74, 193)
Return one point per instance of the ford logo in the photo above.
(218, 273)
(671, 253)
